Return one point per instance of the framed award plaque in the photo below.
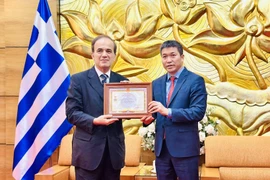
(127, 100)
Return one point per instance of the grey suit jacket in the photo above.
(84, 103)
(188, 104)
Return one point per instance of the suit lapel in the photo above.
(94, 82)
(113, 77)
(182, 78)
(162, 85)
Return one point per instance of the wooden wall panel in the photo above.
(6, 158)
(2, 23)
(2, 120)
(9, 161)
(2, 161)
(11, 114)
(15, 59)
(20, 17)
(2, 72)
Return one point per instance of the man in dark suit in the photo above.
(179, 103)
(98, 148)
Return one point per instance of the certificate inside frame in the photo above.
(127, 100)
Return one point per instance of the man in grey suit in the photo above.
(179, 103)
(98, 148)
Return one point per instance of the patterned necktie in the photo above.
(103, 78)
(172, 78)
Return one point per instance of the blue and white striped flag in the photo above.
(41, 119)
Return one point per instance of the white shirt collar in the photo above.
(108, 73)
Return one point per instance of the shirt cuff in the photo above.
(169, 113)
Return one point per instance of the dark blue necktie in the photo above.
(103, 78)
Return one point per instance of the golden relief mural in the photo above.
(225, 41)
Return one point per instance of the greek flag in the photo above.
(41, 119)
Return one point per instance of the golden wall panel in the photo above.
(19, 21)
(11, 114)
(2, 72)
(2, 37)
(15, 59)
(2, 120)
(226, 42)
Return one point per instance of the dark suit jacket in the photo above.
(188, 104)
(84, 103)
